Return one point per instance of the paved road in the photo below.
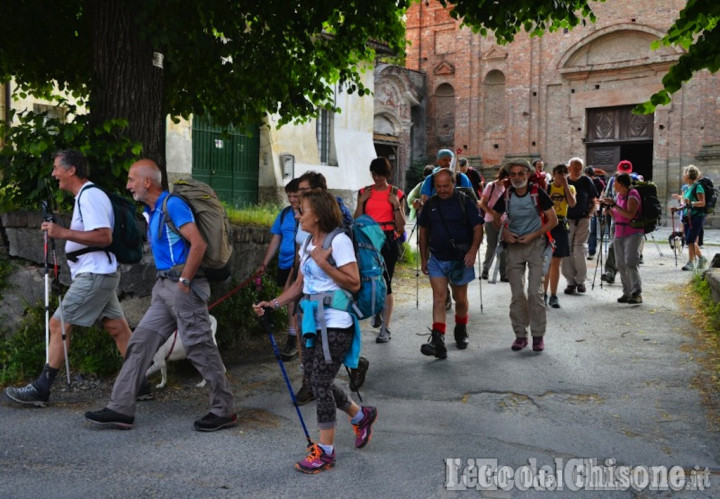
(615, 383)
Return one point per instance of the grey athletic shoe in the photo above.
(107, 418)
(28, 395)
(383, 336)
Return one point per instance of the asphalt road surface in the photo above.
(615, 384)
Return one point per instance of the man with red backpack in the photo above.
(530, 217)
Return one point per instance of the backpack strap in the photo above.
(73, 255)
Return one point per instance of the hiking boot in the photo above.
(581, 288)
(485, 274)
(357, 376)
(635, 299)
(383, 336)
(363, 430)
(28, 395)
(145, 392)
(213, 422)
(377, 320)
(554, 302)
(304, 395)
(624, 299)
(504, 279)
(435, 345)
(289, 350)
(608, 278)
(316, 461)
(461, 336)
(591, 256)
(702, 262)
(110, 419)
(570, 290)
(688, 266)
(538, 344)
(518, 344)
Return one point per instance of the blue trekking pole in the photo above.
(268, 329)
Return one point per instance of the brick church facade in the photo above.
(566, 93)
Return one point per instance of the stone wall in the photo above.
(22, 240)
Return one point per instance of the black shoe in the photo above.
(581, 288)
(377, 320)
(554, 302)
(504, 279)
(28, 395)
(461, 336)
(304, 395)
(289, 351)
(145, 392)
(357, 376)
(635, 299)
(623, 299)
(485, 274)
(435, 346)
(110, 419)
(608, 278)
(570, 290)
(213, 422)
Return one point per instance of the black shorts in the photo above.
(562, 240)
(282, 276)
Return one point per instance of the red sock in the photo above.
(439, 326)
(461, 320)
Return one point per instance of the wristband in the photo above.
(276, 304)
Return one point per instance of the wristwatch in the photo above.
(184, 281)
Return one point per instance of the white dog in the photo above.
(173, 349)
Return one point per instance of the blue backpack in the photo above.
(368, 239)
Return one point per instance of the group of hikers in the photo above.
(538, 225)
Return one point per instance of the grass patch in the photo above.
(261, 215)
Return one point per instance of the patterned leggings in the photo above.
(321, 376)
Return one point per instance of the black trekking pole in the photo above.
(269, 330)
(480, 279)
(417, 269)
(599, 260)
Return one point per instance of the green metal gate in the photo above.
(227, 161)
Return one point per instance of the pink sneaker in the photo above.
(538, 344)
(316, 461)
(363, 430)
(519, 344)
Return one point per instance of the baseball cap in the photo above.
(445, 152)
(624, 166)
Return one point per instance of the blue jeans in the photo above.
(592, 240)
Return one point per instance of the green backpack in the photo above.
(212, 221)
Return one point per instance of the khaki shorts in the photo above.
(91, 297)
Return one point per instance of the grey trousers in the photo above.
(172, 309)
(527, 310)
(627, 259)
(574, 267)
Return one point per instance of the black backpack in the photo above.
(711, 194)
(127, 239)
(650, 208)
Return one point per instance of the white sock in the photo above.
(328, 449)
(358, 417)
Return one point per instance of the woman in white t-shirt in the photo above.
(319, 216)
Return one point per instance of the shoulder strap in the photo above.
(165, 219)
(283, 213)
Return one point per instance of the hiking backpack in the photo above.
(212, 221)
(650, 208)
(711, 194)
(368, 240)
(127, 239)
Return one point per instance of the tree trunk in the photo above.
(125, 82)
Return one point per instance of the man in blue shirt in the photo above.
(283, 238)
(451, 231)
(179, 302)
(445, 160)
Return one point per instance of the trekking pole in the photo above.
(413, 229)
(480, 280)
(672, 235)
(417, 269)
(64, 340)
(46, 215)
(598, 262)
(269, 330)
(656, 244)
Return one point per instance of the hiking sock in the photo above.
(46, 378)
(357, 417)
(327, 448)
(461, 320)
(439, 326)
